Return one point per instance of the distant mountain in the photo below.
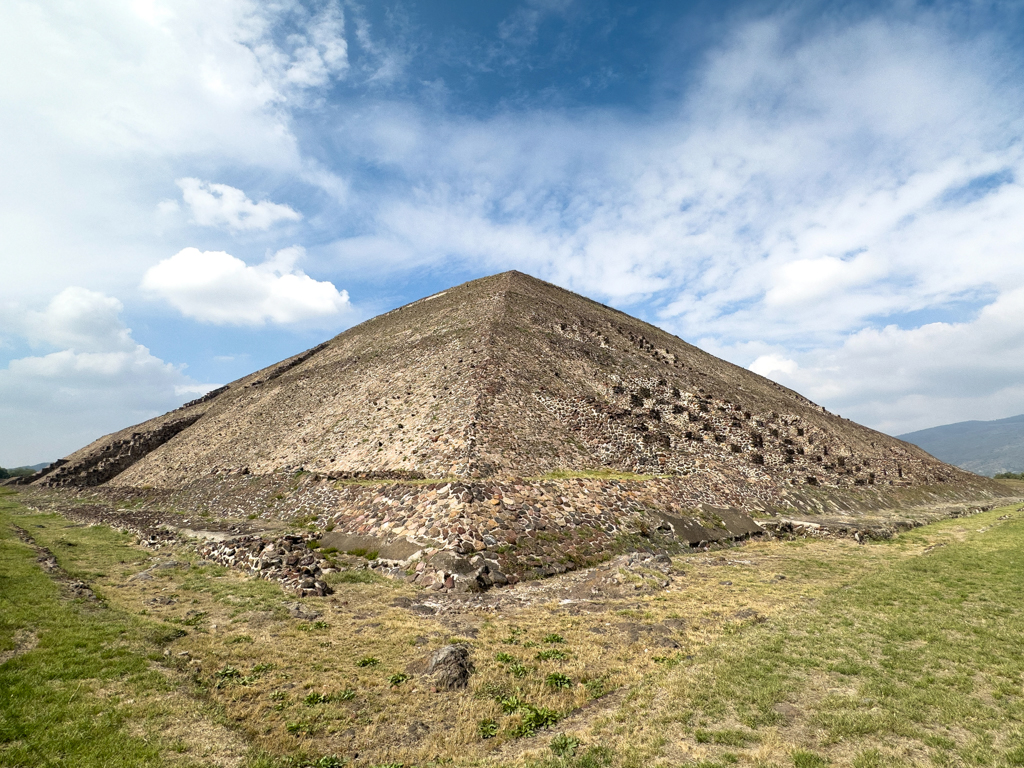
(985, 447)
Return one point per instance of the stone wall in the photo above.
(114, 457)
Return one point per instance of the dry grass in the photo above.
(765, 671)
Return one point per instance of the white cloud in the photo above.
(216, 287)
(813, 185)
(99, 380)
(187, 76)
(772, 365)
(105, 103)
(903, 379)
(215, 205)
(80, 320)
(795, 186)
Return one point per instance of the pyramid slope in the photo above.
(506, 376)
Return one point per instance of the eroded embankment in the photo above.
(463, 537)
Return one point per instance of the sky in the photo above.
(830, 194)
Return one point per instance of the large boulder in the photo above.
(448, 668)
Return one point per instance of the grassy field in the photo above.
(800, 653)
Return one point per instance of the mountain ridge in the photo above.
(985, 447)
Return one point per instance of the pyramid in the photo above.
(481, 416)
(506, 376)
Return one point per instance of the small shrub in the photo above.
(368, 661)
(511, 704)
(804, 759)
(552, 653)
(299, 729)
(513, 636)
(596, 687)
(487, 728)
(361, 552)
(328, 761)
(558, 681)
(564, 745)
(535, 718)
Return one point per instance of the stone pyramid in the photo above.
(507, 428)
(503, 377)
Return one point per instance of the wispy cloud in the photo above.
(215, 205)
(811, 184)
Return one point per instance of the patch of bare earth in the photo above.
(24, 641)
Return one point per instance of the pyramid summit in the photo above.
(510, 417)
(506, 376)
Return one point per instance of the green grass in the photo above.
(922, 650)
(53, 711)
(895, 653)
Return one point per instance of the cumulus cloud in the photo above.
(99, 380)
(771, 366)
(903, 379)
(216, 287)
(80, 320)
(214, 205)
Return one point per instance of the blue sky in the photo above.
(831, 194)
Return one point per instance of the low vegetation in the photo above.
(786, 653)
(16, 472)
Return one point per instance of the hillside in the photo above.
(984, 447)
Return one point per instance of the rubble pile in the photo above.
(288, 560)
